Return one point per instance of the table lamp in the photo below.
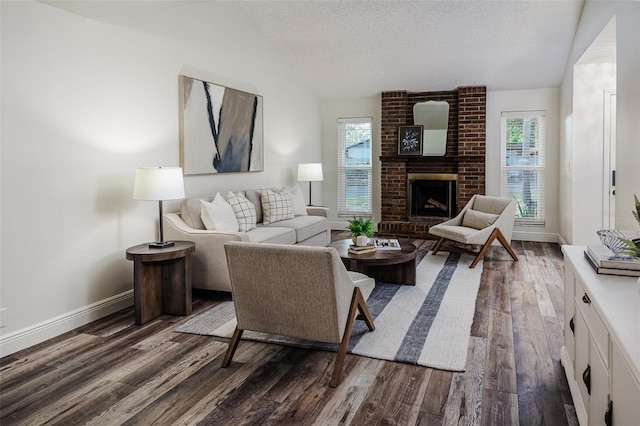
(157, 184)
(311, 172)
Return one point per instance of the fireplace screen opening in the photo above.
(432, 195)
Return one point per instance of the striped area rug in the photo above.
(428, 324)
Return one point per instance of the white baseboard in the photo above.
(541, 237)
(22, 339)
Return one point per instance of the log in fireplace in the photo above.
(431, 195)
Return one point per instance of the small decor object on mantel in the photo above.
(410, 140)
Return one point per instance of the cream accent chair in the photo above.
(296, 291)
(483, 221)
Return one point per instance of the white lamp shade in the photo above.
(310, 172)
(158, 183)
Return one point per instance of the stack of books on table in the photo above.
(353, 249)
(387, 244)
(605, 261)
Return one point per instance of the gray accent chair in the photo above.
(296, 291)
(483, 221)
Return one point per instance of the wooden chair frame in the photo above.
(483, 250)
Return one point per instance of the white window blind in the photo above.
(354, 167)
(523, 164)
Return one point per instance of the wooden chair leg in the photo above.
(357, 304)
(506, 245)
(495, 234)
(437, 246)
(233, 345)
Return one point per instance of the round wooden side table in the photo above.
(161, 280)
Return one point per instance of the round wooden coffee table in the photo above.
(388, 266)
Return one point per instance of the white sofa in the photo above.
(209, 263)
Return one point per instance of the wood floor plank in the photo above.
(500, 408)
(464, 405)
(396, 396)
(500, 370)
(538, 391)
(340, 407)
(436, 396)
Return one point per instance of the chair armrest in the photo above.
(317, 211)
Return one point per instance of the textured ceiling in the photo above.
(352, 49)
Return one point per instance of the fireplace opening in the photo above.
(431, 195)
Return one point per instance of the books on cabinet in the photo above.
(605, 261)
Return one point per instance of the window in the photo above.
(522, 172)
(354, 167)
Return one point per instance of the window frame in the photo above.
(540, 168)
(343, 167)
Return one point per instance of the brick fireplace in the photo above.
(463, 163)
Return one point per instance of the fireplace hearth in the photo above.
(431, 195)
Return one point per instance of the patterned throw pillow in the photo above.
(276, 206)
(244, 210)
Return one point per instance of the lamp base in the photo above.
(161, 244)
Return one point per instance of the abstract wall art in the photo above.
(220, 129)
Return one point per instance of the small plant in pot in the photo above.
(632, 246)
(360, 226)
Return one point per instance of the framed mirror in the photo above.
(434, 117)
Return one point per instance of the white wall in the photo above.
(85, 102)
(331, 110)
(576, 194)
(527, 100)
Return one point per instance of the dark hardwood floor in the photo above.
(113, 372)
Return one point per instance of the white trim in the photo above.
(56, 326)
(541, 237)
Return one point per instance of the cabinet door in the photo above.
(582, 357)
(599, 398)
(625, 391)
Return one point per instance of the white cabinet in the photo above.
(601, 356)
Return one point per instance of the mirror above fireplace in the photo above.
(434, 116)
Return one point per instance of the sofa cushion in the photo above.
(218, 215)
(304, 226)
(478, 220)
(244, 210)
(276, 206)
(297, 201)
(190, 210)
(272, 235)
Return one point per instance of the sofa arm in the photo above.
(209, 262)
(317, 211)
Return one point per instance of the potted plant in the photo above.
(632, 246)
(360, 226)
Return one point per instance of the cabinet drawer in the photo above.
(597, 330)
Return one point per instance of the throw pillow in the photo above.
(276, 206)
(297, 201)
(218, 215)
(244, 210)
(478, 220)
